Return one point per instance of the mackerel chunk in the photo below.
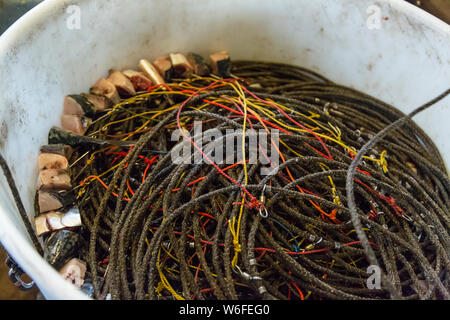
(48, 202)
(54, 200)
(41, 225)
(59, 220)
(150, 71)
(181, 66)
(164, 67)
(54, 179)
(61, 149)
(62, 136)
(72, 218)
(77, 105)
(201, 68)
(122, 83)
(100, 103)
(221, 64)
(60, 247)
(85, 104)
(138, 79)
(74, 271)
(56, 220)
(107, 89)
(75, 123)
(141, 82)
(52, 161)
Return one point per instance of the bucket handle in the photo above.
(15, 273)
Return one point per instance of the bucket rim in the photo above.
(17, 245)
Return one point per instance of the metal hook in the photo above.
(326, 108)
(265, 214)
(263, 200)
(236, 267)
(245, 275)
(407, 218)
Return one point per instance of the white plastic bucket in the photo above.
(44, 56)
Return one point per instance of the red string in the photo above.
(373, 213)
(273, 250)
(248, 116)
(254, 203)
(298, 290)
(389, 200)
(298, 124)
(362, 171)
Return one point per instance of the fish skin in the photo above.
(201, 67)
(60, 247)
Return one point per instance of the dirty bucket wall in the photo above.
(405, 61)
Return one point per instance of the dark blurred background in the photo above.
(11, 10)
(439, 8)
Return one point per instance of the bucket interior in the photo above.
(406, 62)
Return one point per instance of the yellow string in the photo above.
(235, 232)
(137, 131)
(237, 246)
(289, 148)
(159, 288)
(336, 132)
(164, 280)
(313, 115)
(383, 161)
(351, 231)
(336, 198)
(191, 266)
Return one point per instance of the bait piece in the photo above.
(100, 103)
(60, 247)
(54, 179)
(201, 67)
(41, 225)
(181, 66)
(107, 89)
(74, 271)
(78, 105)
(72, 218)
(61, 149)
(150, 71)
(139, 81)
(164, 67)
(54, 221)
(76, 124)
(122, 83)
(221, 63)
(61, 136)
(52, 161)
